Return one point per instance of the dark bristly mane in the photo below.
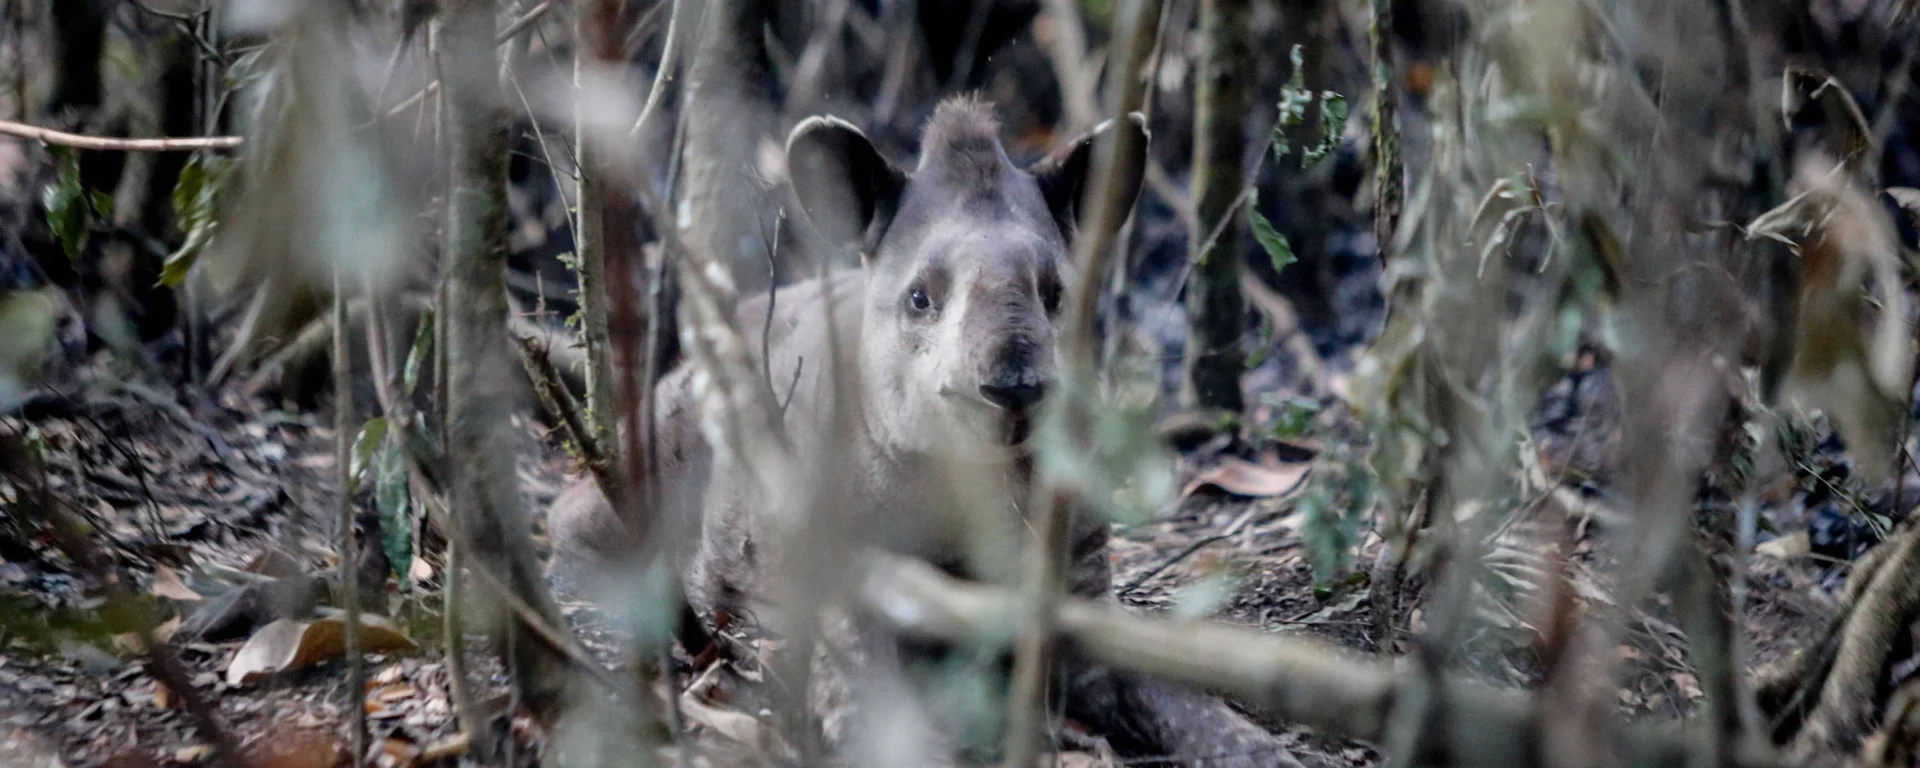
(963, 139)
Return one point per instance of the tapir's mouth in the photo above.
(1016, 427)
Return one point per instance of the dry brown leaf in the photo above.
(295, 748)
(735, 726)
(287, 645)
(168, 584)
(1075, 760)
(1688, 684)
(275, 562)
(396, 753)
(1786, 547)
(1269, 477)
(165, 631)
(192, 754)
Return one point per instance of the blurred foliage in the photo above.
(196, 198)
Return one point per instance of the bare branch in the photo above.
(108, 144)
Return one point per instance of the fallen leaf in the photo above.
(167, 584)
(1269, 477)
(398, 754)
(166, 630)
(394, 693)
(1688, 684)
(191, 754)
(287, 645)
(275, 562)
(1785, 547)
(295, 748)
(735, 726)
(162, 697)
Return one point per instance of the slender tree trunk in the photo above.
(1216, 310)
(1387, 192)
(485, 495)
(590, 237)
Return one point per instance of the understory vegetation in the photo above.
(1471, 383)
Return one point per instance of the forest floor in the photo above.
(197, 496)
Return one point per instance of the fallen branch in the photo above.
(110, 144)
(1296, 681)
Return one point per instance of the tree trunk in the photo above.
(481, 372)
(731, 111)
(1216, 310)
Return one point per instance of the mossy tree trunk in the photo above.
(481, 371)
(1216, 310)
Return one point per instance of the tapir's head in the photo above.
(967, 270)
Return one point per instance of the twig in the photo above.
(505, 36)
(1092, 250)
(669, 64)
(348, 541)
(553, 393)
(108, 144)
(1068, 52)
(1231, 530)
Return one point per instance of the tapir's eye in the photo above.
(1050, 295)
(918, 299)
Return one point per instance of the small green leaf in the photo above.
(66, 209)
(391, 497)
(1264, 345)
(179, 263)
(102, 203)
(417, 355)
(363, 447)
(1333, 121)
(1279, 251)
(196, 199)
(186, 191)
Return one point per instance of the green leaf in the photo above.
(422, 346)
(102, 204)
(1279, 251)
(66, 209)
(186, 191)
(196, 199)
(1296, 417)
(1264, 346)
(1333, 121)
(363, 447)
(390, 496)
(179, 263)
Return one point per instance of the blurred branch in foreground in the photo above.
(1294, 680)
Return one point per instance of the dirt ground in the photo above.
(181, 488)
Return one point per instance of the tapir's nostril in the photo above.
(1014, 397)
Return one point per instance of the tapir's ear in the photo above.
(1066, 175)
(847, 189)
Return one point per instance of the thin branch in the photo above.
(669, 64)
(108, 144)
(347, 541)
(505, 36)
(1053, 507)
